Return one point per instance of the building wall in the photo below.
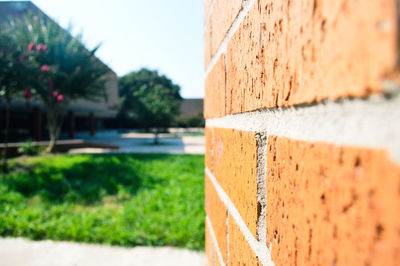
(190, 108)
(302, 115)
(103, 107)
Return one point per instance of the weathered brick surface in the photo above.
(207, 43)
(235, 167)
(208, 157)
(330, 205)
(292, 52)
(217, 214)
(210, 251)
(214, 100)
(224, 13)
(240, 252)
(245, 81)
(207, 6)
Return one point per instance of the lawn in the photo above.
(124, 199)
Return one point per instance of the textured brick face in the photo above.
(208, 133)
(210, 250)
(207, 6)
(240, 252)
(207, 43)
(326, 204)
(235, 167)
(214, 101)
(217, 214)
(330, 205)
(223, 14)
(245, 80)
(292, 52)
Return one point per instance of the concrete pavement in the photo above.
(21, 252)
(133, 142)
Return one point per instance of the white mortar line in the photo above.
(372, 123)
(227, 237)
(208, 15)
(235, 25)
(260, 249)
(261, 189)
(214, 239)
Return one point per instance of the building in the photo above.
(191, 108)
(29, 121)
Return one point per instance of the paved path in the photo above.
(143, 143)
(20, 252)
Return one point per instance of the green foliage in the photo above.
(60, 68)
(194, 121)
(149, 99)
(13, 68)
(74, 71)
(29, 148)
(126, 200)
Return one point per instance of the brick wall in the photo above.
(302, 109)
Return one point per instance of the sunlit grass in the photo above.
(126, 200)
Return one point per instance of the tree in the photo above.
(13, 70)
(61, 69)
(152, 100)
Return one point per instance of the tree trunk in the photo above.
(156, 137)
(54, 121)
(6, 129)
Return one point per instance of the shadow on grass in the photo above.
(118, 199)
(87, 180)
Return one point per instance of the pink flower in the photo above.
(50, 84)
(31, 46)
(45, 68)
(27, 93)
(42, 48)
(55, 93)
(60, 97)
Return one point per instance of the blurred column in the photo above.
(37, 123)
(71, 124)
(92, 124)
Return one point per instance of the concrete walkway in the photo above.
(21, 252)
(133, 142)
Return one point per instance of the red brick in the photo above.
(235, 167)
(208, 133)
(240, 252)
(292, 52)
(207, 7)
(217, 214)
(245, 81)
(214, 100)
(207, 43)
(330, 205)
(210, 250)
(224, 13)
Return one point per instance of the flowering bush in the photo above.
(27, 93)
(13, 73)
(59, 68)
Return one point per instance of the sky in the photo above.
(166, 35)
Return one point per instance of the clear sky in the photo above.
(166, 35)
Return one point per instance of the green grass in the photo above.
(127, 200)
